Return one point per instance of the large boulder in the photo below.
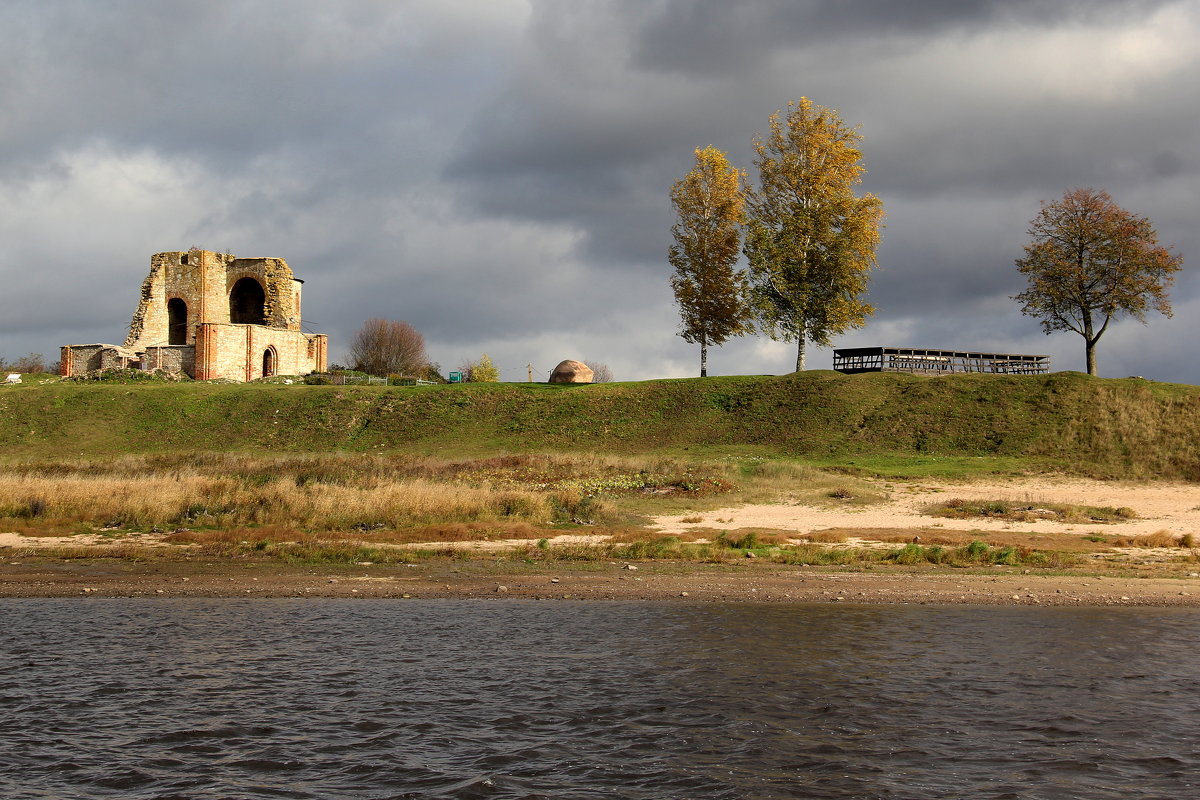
(571, 372)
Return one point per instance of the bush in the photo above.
(481, 371)
(382, 346)
(128, 376)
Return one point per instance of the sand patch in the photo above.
(1173, 507)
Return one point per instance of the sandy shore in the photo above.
(1159, 506)
(1171, 507)
(646, 581)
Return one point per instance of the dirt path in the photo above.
(1173, 507)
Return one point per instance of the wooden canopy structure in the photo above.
(936, 362)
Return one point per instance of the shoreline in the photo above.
(657, 581)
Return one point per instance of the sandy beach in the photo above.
(1159, 506)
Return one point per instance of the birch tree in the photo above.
(710, 291)
(810, 240)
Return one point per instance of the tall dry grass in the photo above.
(363, 493)
(206, 501)
(333, 491)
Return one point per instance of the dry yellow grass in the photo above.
(1163, 538)
(361, 494)
(187, 500)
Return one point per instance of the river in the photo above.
(186, 698)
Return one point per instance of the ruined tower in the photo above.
(212, 315)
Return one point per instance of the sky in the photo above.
(497, 172)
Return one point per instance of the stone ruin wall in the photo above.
(76, 359)
(236, 351)
(171, 358)
(204, 281)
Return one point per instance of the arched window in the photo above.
(247, 303)
(269, 365)
(177, 330)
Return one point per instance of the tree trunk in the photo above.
(1089, 342)
(703, 358)
(800, 354)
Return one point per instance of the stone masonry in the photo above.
(212, 315)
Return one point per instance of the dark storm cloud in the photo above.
(711, 37)
(497, 173)
(972, 113)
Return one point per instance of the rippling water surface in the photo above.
(510, 699)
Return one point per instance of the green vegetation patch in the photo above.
(1027, 511)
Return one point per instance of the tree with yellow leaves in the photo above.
(709, 203)
(481, 371)
(810, 241)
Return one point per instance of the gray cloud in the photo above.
(496, 172)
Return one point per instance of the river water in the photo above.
(326, 699)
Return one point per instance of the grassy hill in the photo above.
(1129, 427)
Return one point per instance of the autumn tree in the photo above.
(709, 204)
(481, 371)
(810, 241)
(1091, 261)
(383, 347)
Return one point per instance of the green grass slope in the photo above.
(1131, 428)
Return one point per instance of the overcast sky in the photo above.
(496, 172)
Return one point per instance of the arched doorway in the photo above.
(247, 303)
(176, 321)
(270, 362)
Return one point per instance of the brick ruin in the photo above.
(212, 315)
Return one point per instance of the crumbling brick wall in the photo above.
(193, 290)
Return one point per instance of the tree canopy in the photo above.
(810, 242)
(1091, 261)
(709, 204)
(481, 371)
(382, 347)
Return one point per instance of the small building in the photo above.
(936, 362)
(212, 315)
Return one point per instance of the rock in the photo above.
(501, 589)
(571, 372)
(554, 580)
(683, 594)
(630, 566)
